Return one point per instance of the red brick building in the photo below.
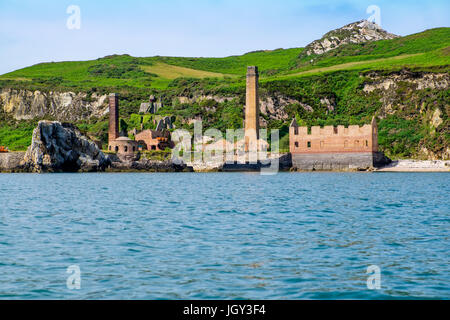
(153, 140)
(332, 148)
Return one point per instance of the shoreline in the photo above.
(11, 163)
(416, 166)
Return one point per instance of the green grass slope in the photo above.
(156, 72)
(425, 49)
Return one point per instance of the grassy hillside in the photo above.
(154, 72)
(429, 48)
(338, 75)
(268, 61)
(427, 41)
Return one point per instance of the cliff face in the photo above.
(416, 97)
(61, 106)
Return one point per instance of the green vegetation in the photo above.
(16, 135)
(427, 41)
(158, 155)
(338, 75)
(402, 135)
(269, 62)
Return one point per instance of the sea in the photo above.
(225, 236)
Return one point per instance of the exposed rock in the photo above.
(62, 106)
(392, 89)
(11, 161)
(150, 107)
(419, 81)
(207, 166)
(57, 147)
(144, 108)
(436, 119)
(199, 98)
(357, 32)
(329, 103)
(273, 106)
(430, 155)
(164, 124)
(141, 164)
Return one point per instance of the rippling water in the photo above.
(224, 236)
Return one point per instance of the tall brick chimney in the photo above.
(252, 107)
(113, 117)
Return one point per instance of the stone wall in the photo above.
(338, 161)
(332, 161)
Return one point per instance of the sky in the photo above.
(37, 31)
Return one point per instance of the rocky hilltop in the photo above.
(357, 32)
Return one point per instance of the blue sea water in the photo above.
(224, 235)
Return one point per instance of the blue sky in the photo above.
(35, 31)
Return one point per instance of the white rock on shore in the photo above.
(417, 166)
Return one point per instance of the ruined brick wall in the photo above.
(123, 146)
(354, 139)
(113, 132)
(149, 138)
(334, 148)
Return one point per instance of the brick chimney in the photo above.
(252, 107)
(113, 117)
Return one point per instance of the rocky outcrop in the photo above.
(393, 88)
(357, 32)
(58, 147)
(61, 106)
(416, 96)
(417, 166)
(141, 164)
(11, 161)
(271, 106)
(430, 155)
(199, 98)
(164, 124)
(416, 80)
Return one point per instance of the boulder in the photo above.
(11, 161)
(60, 147)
